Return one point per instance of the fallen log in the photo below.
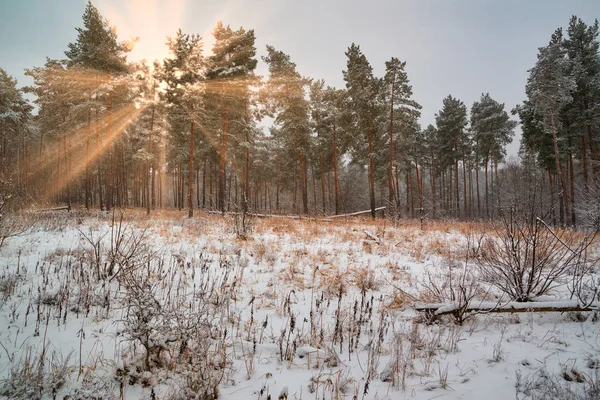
(68, 208)
(438, 309)
(258, 215)
(356, 213)
(325, 219)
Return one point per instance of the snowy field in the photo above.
(93, 306)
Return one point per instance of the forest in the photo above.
(188, 229)
(202, 131)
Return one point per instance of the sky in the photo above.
(458, 47)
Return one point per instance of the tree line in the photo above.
(205, 131)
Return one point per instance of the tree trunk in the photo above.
(87, 160)
(464, 168)
(191, 168)
(371, 173)
(247, 173)
(335, 172)
(584, 164)
(322, 182)
(593, 157)
(487, 203)
(419, 187)
(204, 185)
(456, 188)
(558, 163)
(312, 168)
(432, 179)
(572, 179)
(477, 183)
(303, 181)
(153, 189)
(391, 151)
(278, 182)
(552, 201)
(222, 160)
(146, 172)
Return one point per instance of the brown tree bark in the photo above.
(572, 188)
(87, 160)
(487, 203)
(558, 163)
(432, 182)
(278, 182)
(322, 182)
(477, 183)
(584, 163)
(223, 159)
(303, 180)
(371, 173)
(191, 167)
(464, 171)
(335, 172)
(391, 151)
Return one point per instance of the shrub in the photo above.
(527, 258)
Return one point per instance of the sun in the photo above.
(150, 21)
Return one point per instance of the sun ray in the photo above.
(119, 121)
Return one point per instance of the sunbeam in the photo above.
(76, 154)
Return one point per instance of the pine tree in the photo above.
(549, 89)
(284, 93)
(96, 63)
(398, 95)
(97, 46)
(451, 124)
(145, 137)
(15, 114)
(61, 102)
(183, 75)
(431, 149)
(326, 105)
(229, 77)
(363, 91)
(581, 46)
(492, 130)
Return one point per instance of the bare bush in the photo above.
(10, 202)
(35, 376)
(527, 258)
(457, 283)
(180, 331)
(570, 385)
(126, 251)
(94, 387)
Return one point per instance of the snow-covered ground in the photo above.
(301, 309)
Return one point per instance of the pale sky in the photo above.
(458, 47)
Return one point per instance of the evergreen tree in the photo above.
(549, 89)
(492, 131)
(398, 95)
(451, 124)
(97, 46)
(15, 114)
(583, 114)
(431, 150)
(284, 94)
(230, 77)
(363, 91)
(183, 75)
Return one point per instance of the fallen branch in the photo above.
(373, 237)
